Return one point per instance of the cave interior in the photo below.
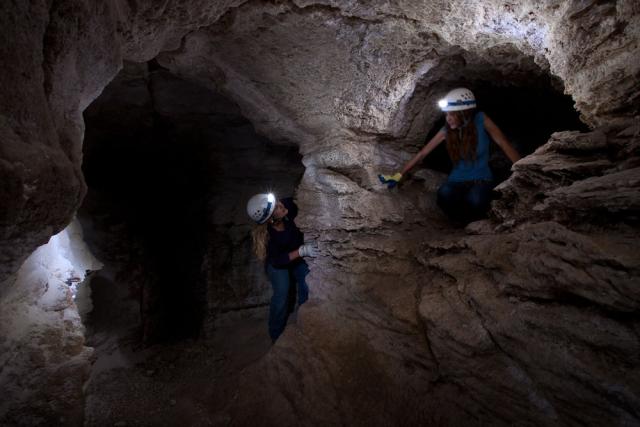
(135, 137)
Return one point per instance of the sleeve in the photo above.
(276, 258)
(291, 207)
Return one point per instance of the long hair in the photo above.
(462, 142)
(260, 236)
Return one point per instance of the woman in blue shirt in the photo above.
(280, 244)
(467, 193)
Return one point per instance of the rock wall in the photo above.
(355, 85)
(542, 302)
(530, 316)
(477, 313)
(355, 73)
(44, 359)
(59, 56)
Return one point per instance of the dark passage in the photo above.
(169, 166)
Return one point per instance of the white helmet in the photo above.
(458, 99)
(261, 206)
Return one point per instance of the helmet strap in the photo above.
(272, 220)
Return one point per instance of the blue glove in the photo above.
(390, 180)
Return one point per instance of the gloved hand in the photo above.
(390, 180)
(308, 250)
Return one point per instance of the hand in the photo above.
(390, 180)
(308, 250)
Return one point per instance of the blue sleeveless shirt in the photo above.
(479, 169)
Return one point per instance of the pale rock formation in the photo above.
(44, 360)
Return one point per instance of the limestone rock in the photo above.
(58, 60)
(44, 360)
(373, 97)
(572, 178)
(522, 318)
(476, 330)
(610, 198)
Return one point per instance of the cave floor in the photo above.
(189, 383)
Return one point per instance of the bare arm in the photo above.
(501, 139)
(433, 143)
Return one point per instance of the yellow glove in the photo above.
(390, 180)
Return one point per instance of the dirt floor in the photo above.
(187, 384)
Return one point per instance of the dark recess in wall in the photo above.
(154, 184)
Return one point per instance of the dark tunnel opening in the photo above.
(527, 115)
(154, 186)
(169, 166)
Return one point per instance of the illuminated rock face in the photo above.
(449, 325)
(44, 357)
(314, 73)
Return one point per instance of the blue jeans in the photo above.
(465, 201)
(283, 281)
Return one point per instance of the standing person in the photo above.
(466, 194)
(280, 244)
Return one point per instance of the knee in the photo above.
(477, 206)
(279, 304)
(279, 282)
(478, 201)
(446, 192)
(300, 278)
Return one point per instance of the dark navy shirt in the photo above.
(285, 241)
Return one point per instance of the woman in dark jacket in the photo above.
(278, 241)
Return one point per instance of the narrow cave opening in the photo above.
(527, 115)
(169, 165)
